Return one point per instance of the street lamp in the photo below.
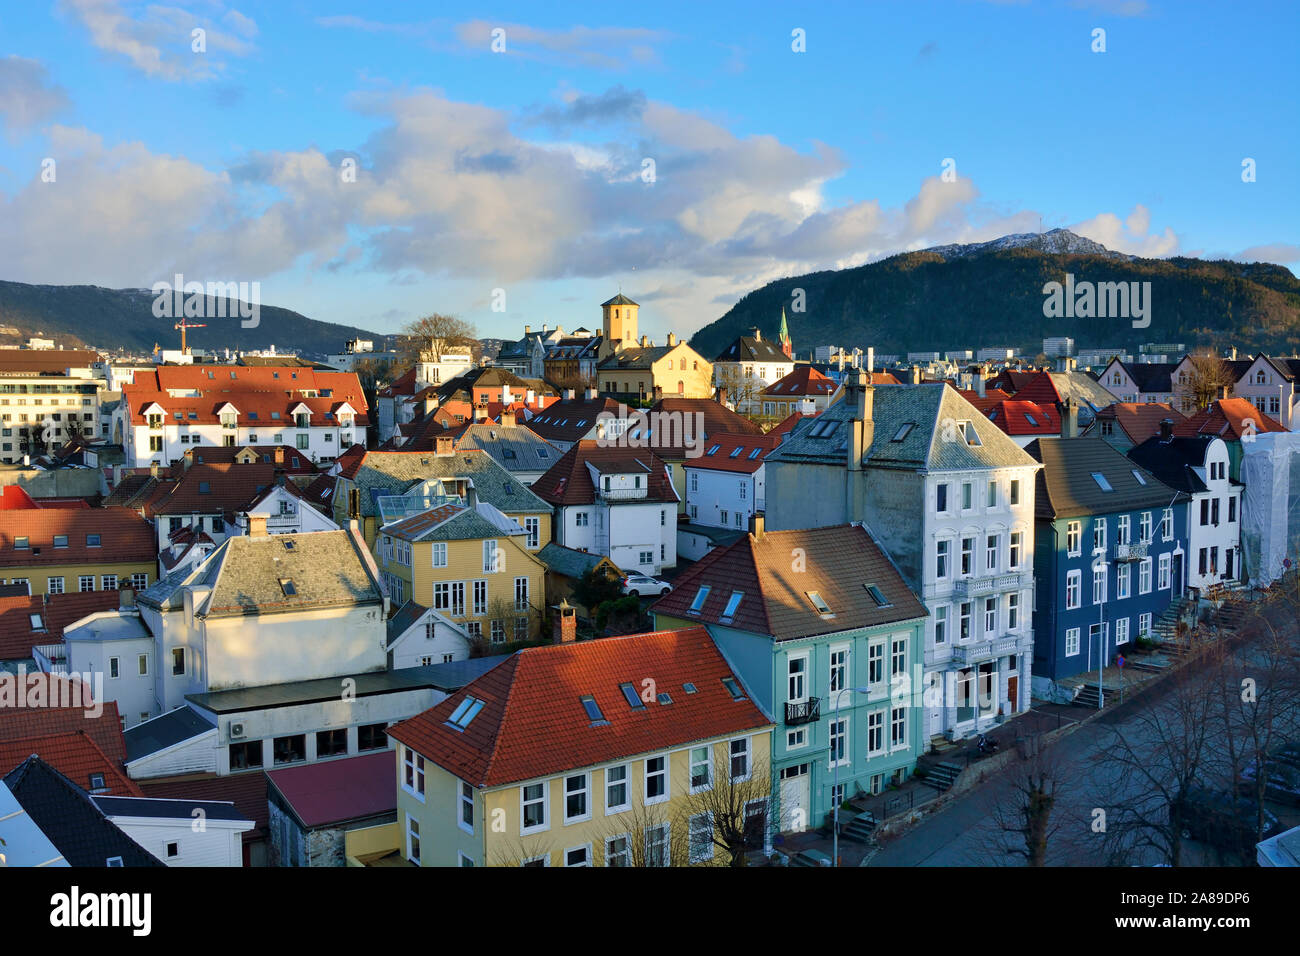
(835, 826)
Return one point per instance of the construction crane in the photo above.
(183, 325)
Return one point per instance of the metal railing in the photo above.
(803, 712)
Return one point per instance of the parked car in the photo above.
(638, 584)
(1219, 819)
(1281, 781)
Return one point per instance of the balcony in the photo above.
(1130, 552)
(989, 584)
(803, 712)
(984, 650)
(622, 494)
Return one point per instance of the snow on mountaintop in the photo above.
(1057, 241)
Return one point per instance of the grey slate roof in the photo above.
(452, 676)
(1174, 461)
(513, 447)
(1086, 391)
(394, 473)
(1066, 487)
(635, 357)
(567, 561)
(168, 808)
(171, 728)
(749, 349)
(70, 819)
(464, 524)
(926, 408)
(325, 567)
(293, 693)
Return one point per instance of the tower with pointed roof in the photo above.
(619, 316)
(783, 337)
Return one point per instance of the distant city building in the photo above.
(995, 354)
(1058, 346)
(916, 358)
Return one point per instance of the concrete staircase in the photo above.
(1087, 697)
(861, 829)
(1165, 627)
(942, 774)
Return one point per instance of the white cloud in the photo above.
(1130, 234)
(27, 96)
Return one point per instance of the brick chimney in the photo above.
(508, 419)
(1167, 429)
(722, 395)
(756, 525)
(256, 526)
(672, 339)
(645, 341)
(442, 446)
(566, 623)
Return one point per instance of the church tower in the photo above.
(619, 318)
(783, 337)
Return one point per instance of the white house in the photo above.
(282, 510)
(1139, 382)
(950, 498)
(1200, 466)
(725, 486)
(180, 832)
(615, 501)
(1270, 385)
(419, 636)
(119, 646)
(748, 366)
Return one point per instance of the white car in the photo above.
(638, 584)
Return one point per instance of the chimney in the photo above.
(862, 428)
(480, 413)
(979, 384)
(566, 623)
(1232, 353)
(1069, 419)
(279, 454)
(756, 334)
(508, 419)
(1223, 392)
(544, 328)
(528, 330)
(672, 340)
(117, 475)
(871, 359)
(153, 469)
(645, 341)
(568, 394)
(530, 398)
(722, 395)
(442, 446)
(756, 523)
(1167, 429)
(915, 376)
(125, 598)
(256, 525)
(657, 392)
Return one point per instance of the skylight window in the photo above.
(593, 712)
(817, 602)
(289, 588)
(903, 431)
(700, 597)
(1032, 421)
(688, 687)
(1138, 475)
(289, 544)
(630, 695)
(1101, 481)
(755, 453)
(733, 688)
(664, 699)
(204, 487)
(733, 602)
(466, 711)
(735, 452)
(878, 596)
(37, 623)
(542, 453)
(713, 450)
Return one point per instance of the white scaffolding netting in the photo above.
(1270, 510)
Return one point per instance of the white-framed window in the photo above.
(413, 773)
(897, 728)
(967, 496)
(740, 762)
(1121, 631)
(578, 855)
(1099, 534)
(1099, 585)
(413, 839)
(701, 825)
(1144, 528)
(796, 678)
(533, 526)
(839, 668)
(1073, 538)
(942, 551)
(656, 779)
(992, 499)
(1016, 550)
(480, 598)
(1123, 575)
(898, 654)
(1072, 642)
(618, 850)
(1144, 625)
(1123, 531)
(577, 798)
(991, 553)
(876, 732)
(492, 557)
(967, 556)
(839, 749)
(701, 769)
(794, 739)
(876, 664)
(466, 820)
(963, 620)
(114, 669)
(1167, 525)
(521, 594)
(439, 552)
(532, 808)
(1166, 566)
(990, 616)
(1013, 611)
(616, 794)
(941, 624)
(1073, 589)
(658, 844)
(1144, 576)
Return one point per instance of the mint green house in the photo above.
(829, 641)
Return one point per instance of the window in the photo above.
(876, 662)
(457, 598)
(1144, 576)
(618, 851)
(21, 544)
(656, 779)
(60, 540)
(794, 739)
(796, 679)
(657, 845)
(1165, 567)
(533, 804)
(967, 556)
(740, 765)
(55, 585)
(86, 582)
(412, 839)
(700, 597)
(465, 712)
(1072, 642)
(1122, 532)
(1145, 527)
(1072, 536)
(963, 620)
(647, 557)
(967, 496)
(1122, 579)
(941, 549)
(580, 519)
(441, 596)
(577, 792)
(139, 581)
(616, 798)
(817, 602)
(898, 653)
(290, 749)
(942, 498)
(1013, 611)
(990, 616)
(992, 499)
(839, 668)
(1073, 589)
(491, 557)
(897, 728)
(941, 624)
(1098, 534)
(113, 667)
(578, 856)
(701, 769)
(331, 743)
(991, 553)
(372, 737)
(1121, 631)
(521, 594)
(178, 661)
(439, 552)
(1167, 524)
(1015, 549)
(534, 528)
(1144, 625)
(1014, 494)
(701, 827)
(142, 665)
(839, 730)
(246, 756)
(1099, 585)
(876, 732)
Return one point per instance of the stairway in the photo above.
(942, 775)
(1165, 627)
(861, 829)
(1087, 697)
(1231, 615)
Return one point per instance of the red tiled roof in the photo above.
(335, 791)
(533, 723)
(291, 460)
(75, 755)
(744, 461)
(124, 536)
(247, 791)
(1014, 417)
(1039, 389)
(1225, 419)
(57, 611)
(803, 381)
(259, 390)
(568, 482)
(230, 487)
(1140, 420)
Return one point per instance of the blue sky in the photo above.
(525, 171)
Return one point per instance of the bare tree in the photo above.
(428, 337)
(1206, 377)
(742, 390)
(730, 810)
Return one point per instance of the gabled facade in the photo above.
(1140, 383)
(1111, 554)
(419, 636)
(645, 372)
(806, 617)
(726, 485)
(804, 391)
(565, 756)
(748, 366)
(950, 499)
(1125, 424)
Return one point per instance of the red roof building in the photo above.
(1227, 419)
